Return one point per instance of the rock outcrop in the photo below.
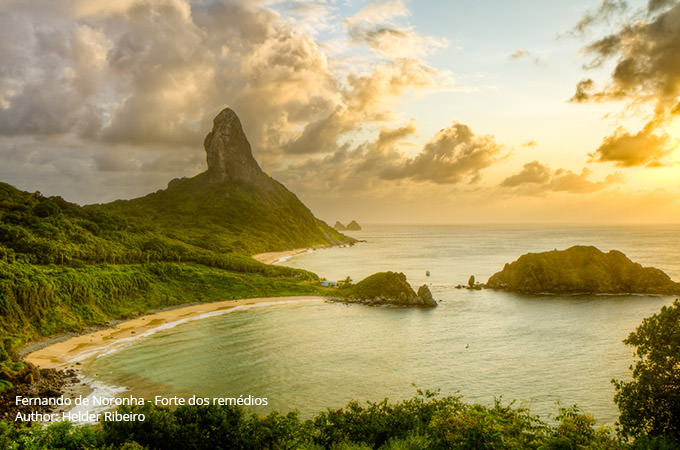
(425, 296)
(353, 226)
(233, 206)
(387, 288)
(338, 226)
(581, 269)
(228, 151)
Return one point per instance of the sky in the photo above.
(397, 111)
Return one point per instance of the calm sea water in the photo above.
(537, 350)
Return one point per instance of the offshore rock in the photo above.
(581, 269)
(338, 226)
(228, 152)
(425, 296)
(387, 288)
(353, 226)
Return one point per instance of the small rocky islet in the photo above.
(386, 288)
(579, 270)
(352, 226)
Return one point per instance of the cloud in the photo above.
(536, 179)
(374, 25)
(629, 150)
(533, 172)
(367, 99)
(605, 12)
(525, 54)
(646, 72)
(453, 155)
(519, 54)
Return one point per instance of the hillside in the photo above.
(64, 267)
(232, 207)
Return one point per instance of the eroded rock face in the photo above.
(425, 296)
(228, 151)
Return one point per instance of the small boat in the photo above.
(427, 273)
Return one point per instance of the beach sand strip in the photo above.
(61, 354)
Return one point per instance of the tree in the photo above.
(650, 403)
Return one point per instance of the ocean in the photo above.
(542, 352)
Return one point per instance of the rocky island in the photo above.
(353, 226)
(386, 288)
(581, 269)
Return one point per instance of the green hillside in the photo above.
(227, 216)
(64, 267)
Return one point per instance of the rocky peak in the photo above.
(228, 151)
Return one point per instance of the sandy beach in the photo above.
(273, 257)
(59, 355)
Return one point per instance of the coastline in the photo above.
(275, 257)
(62, 354)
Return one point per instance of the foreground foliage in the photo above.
(422, 422)
(650, 403)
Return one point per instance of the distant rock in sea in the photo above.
(338, 226)
(581, 269)
(353, 226)
(387, 288)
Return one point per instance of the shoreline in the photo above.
(60, 353)
(277, 257)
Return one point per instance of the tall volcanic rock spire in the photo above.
(229, 155)
(233, 207)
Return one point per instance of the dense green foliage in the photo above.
(423, 422)
(64, 267)
(650, 403)
(228, 217)
(581, 269)
(386, 284)
(45, 300)
(386, 287)
(76, 236)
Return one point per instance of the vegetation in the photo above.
(64, 267)
(650, 403)
(649, 407)
(386, 287)
(422, 422)
(581, 269)
(230, 216)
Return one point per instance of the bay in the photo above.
(537, 350)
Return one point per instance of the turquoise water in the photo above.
(534, 349)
